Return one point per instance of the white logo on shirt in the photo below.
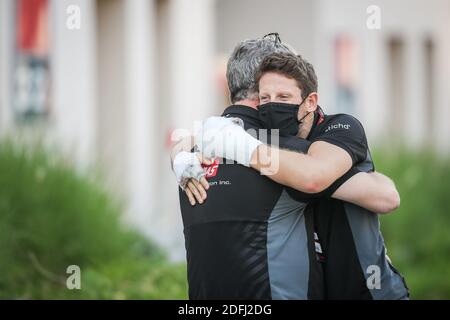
(337, 126)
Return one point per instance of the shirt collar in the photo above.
(249, 115)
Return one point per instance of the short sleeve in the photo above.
(325, 194)
(347, 133)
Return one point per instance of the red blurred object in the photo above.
(32, 26)
(212, 169)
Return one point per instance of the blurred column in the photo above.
(6, 62)
(323, 41)
(191, 60)
(73, 68)
(141, 112)
(187, 77)
(415, 92)
(325, 71)
(376, 113)
(441, 132)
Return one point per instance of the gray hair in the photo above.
(244, 63)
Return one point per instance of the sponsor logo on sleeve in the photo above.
(337, 126)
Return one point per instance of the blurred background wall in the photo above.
(110, 90)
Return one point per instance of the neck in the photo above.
(252, 103)
(306, 127)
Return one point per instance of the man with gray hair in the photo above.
(251, 239)
(244, 62)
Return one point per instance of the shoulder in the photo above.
(346, 132)
(342, 122)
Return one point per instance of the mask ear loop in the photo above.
(303, 118)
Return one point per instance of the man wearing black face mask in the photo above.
(356, 265)
(282, 116)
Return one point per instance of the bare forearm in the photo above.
(296, 170)
(372, 191)
(388, 197)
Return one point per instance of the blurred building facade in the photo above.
(108, 80)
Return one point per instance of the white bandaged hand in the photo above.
(186, 165)
(226, 138)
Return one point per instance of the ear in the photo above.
(311, 102)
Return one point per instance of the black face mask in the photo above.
(282, 116)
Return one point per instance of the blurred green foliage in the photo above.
(417, 235)
(52, 217)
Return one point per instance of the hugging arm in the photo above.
(311, 173)
(373, 191)
(325, 170)
(328, 175)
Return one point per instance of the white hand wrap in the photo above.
(186, 166)
(226, 138)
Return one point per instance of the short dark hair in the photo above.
(292, 66)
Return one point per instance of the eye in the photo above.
(263, 98)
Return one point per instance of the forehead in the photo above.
(277, 81)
